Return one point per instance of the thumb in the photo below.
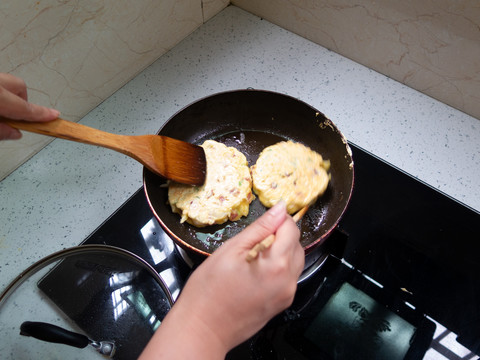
(265, 225)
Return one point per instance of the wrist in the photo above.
(207, 340)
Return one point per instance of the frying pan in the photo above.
(251, 120)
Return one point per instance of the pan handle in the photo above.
(53, 333)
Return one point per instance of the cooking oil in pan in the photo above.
(212, 240)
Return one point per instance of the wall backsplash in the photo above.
(75, 54)
(431, 45)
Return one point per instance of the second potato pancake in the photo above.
(292, 172)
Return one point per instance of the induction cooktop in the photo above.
(398, 277)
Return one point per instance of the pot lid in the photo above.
(107, 296)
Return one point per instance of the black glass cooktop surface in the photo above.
(400, 280)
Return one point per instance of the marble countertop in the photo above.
(63, 193)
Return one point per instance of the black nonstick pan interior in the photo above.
(251, 120)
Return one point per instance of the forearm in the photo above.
(181, 336)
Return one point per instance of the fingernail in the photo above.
(278, 208)
(55, 113)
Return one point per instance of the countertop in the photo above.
(64, 192)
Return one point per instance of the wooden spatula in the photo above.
(173, 159)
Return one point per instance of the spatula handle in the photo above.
(268, 241)
(69, 130)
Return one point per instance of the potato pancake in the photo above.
(226, 193)
(290, 171)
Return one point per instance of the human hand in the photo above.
(227, 299)
(14, 105)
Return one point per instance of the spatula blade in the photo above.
(183, 162)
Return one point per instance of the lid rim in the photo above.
(81, 249)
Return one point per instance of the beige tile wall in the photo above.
(213, 7)
(74, 54)
(430, 45)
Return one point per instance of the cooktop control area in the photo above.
(400, 280)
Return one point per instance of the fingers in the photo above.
(14, 101)
(286, 232)
(14, 85)
(15, 107)
(287, 241)
(8, 133)
(265, 225)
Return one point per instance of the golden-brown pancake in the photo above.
(290, 171)
(226, 193)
